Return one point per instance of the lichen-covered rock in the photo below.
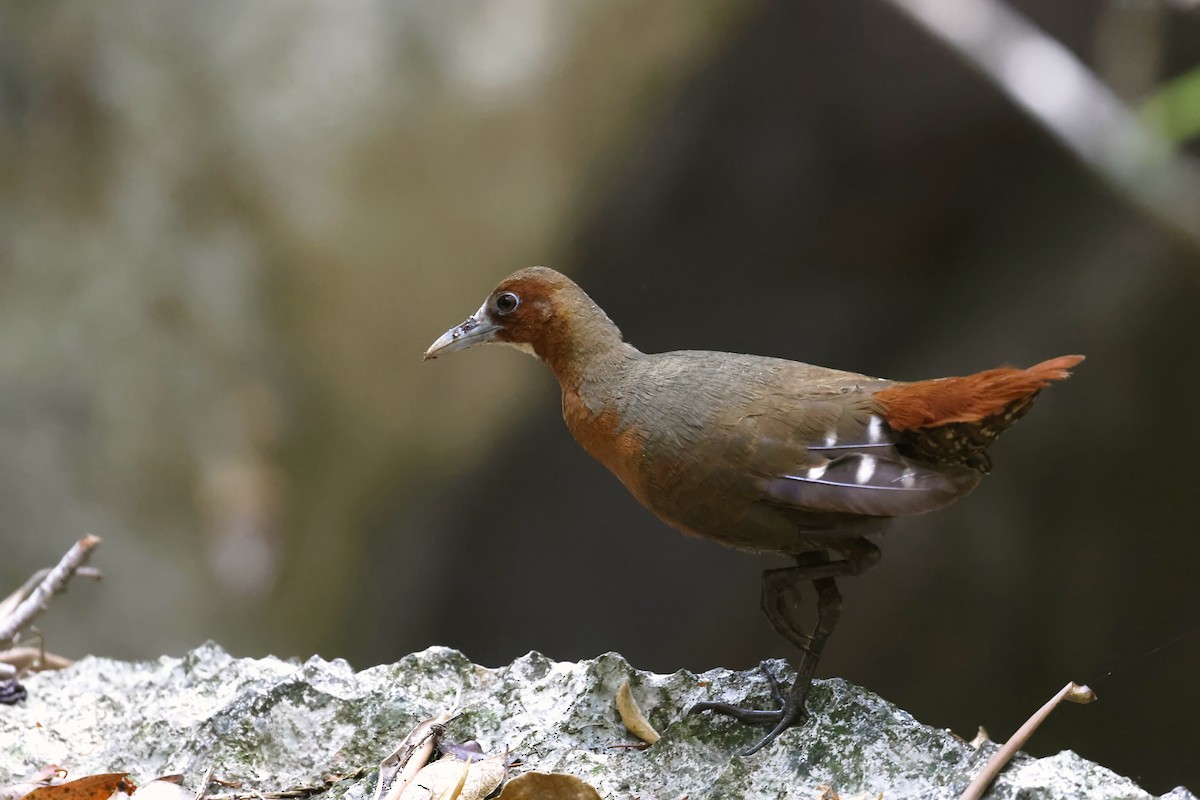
(275, 724)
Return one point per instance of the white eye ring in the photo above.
(506, 303)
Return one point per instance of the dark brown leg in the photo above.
(781, 604)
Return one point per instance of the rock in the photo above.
(275, 724)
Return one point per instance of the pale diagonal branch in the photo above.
(1051, 85)
(54, 582)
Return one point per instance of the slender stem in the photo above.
(54, 581)
(1072, 692)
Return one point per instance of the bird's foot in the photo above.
(791, 711)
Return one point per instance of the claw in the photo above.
(790, 713)
(786, 720)
(780, 593)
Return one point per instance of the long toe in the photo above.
(790, 713)
(753, 716)
(787, 718)
(773, 683)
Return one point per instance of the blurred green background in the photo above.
(229, 230)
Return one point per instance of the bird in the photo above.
(762, 454)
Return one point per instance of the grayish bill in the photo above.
(475, 329)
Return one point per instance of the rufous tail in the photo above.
(971, 398)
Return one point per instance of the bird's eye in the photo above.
(507, 303)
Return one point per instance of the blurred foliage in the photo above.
(1175, 108)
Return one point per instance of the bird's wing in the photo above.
(883, 484)
(844, 460)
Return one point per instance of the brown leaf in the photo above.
(633, 717)
(93, 787)
(398, 769)
(547, 786)
(434, 780)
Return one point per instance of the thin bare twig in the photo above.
(10, 603)
(290, 794)
(413, 753)
(1072, 692)
(54, 581)
(298, 793)
(204, 783)
(1052, 86)
(33, 659)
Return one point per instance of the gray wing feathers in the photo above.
(878, 485)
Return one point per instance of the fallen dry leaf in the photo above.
(481, 779)
(396, 772)
(632, 716)
(980, 739)
(93, 787)
(454, 791)
(547, 786)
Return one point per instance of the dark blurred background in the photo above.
(229, 231)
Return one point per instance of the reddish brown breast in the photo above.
(607, 438)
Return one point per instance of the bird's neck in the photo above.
(585, 348)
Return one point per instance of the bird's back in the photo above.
(769, 454)
(698, 436)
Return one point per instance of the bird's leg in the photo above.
(780, 602)
(781, 597)
(778, 587)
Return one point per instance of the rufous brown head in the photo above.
(526, 310)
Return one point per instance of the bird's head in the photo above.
(536, 310)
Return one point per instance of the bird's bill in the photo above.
(475, 329)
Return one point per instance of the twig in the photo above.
(1056, 90)
(297, 793)
(10, 603)
(1072, 692)
(54, 582)
(33, 659)
(414, 753)
(290, 794)
(204, 783)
